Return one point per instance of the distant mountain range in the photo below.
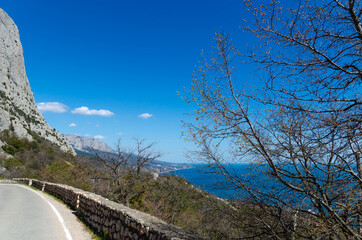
(90, 146)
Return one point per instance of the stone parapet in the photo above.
(7, 181)
(110, 219)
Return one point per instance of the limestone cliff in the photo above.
(18, 111)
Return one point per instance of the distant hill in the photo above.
(89, 146)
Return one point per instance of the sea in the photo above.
(208, 180)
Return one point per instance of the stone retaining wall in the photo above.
(110, 219)
(6, 181)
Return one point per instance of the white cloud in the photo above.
(72, 125)
(99, 137)
(145, 115)
(87, 135)
(55, 107)
(86, 111)
(119, 133)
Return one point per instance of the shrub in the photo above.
(10, 163)
(9, 149)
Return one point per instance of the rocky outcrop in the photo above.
(18, 111)
(88, 145)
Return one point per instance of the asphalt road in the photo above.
(32, 215)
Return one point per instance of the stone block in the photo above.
(118, 226)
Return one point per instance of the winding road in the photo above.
(33, 215)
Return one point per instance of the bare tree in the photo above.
(302, 130)
(144, 154)
(115, 163)
(125, 167)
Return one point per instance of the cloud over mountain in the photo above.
(100, 137)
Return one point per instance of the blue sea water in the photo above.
(206, 179)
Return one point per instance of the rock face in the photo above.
(18, 111)
(88, 145)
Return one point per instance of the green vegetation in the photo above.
(10, 163)
(39, 159)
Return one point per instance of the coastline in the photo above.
(174, 170)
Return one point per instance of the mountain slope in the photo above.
(88, 145)
(18, 111)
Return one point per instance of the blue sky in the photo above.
(127, 58)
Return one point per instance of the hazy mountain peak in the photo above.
(86, 144)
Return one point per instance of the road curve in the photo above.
(30, 214)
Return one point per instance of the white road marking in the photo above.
(61, 220)
(67, 233)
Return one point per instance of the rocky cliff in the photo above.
(18, 111)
